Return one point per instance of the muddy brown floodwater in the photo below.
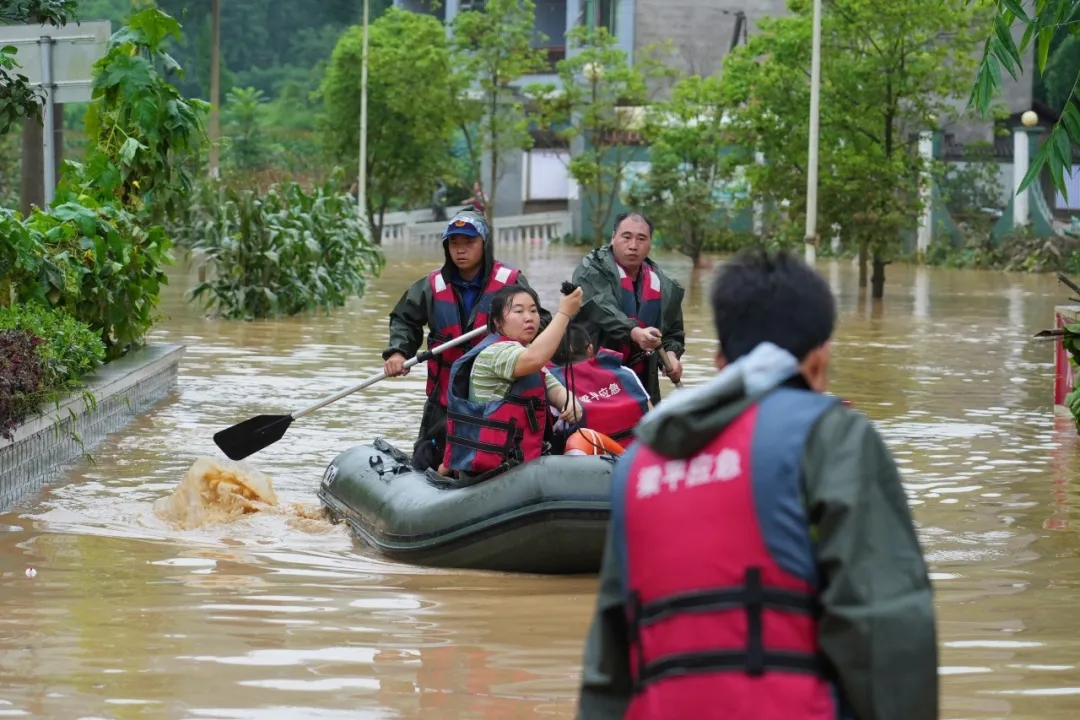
(280, 616)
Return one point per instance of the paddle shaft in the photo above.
(420, 357)
(667, 365)
(666, 361)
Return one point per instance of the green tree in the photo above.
(889, 69)
(141, 127)
(410, 111)
(493, 50)
(244, 131)
(1041, 27)
(600, 102)
(691, 156)
(18, 100)
(99, 251)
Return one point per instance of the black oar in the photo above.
(251, 436)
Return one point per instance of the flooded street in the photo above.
(281, 616)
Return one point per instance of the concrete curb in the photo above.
(120, 390)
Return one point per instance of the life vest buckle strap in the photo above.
(755, 609)
(634, 610)
(532, 404)
(728, 661)
(721, 599)
(476, 445)
(465, 419)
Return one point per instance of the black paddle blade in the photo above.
(251, 436)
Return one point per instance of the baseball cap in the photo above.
(466, 225)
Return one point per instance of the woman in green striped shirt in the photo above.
(515, 314)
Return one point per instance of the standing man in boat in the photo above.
(450, 301)
(631, 306)
(761, 561)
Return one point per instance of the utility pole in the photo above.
(361, 179)
(810, 238)
(215, 87)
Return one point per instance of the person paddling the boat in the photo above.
(499, 390)
(611, 395)
(451, 300)
(761, 562)
(631, 306)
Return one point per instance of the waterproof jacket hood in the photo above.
(472, 223)
(687, 422)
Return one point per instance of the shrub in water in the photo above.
(69, 349)
(21, 374)
(281, 251)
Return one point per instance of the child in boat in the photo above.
(499, 391)
(612, 396)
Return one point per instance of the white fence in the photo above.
(417, 227)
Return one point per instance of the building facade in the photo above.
(701, 32)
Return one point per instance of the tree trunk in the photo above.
(864, 253)
(32, 180)
(215, 86)
(692, 248)
(877, 281)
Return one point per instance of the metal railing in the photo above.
(417, 227)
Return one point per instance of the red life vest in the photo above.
(446, 323)
(481, 436)
(611, 395)
(721, 626)
(646, 312)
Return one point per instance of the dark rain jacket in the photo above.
(876, 628)
(410, 316)
(601, 311)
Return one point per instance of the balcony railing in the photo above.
(417, 227)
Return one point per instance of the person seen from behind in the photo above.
(761, 561)
(611, 395)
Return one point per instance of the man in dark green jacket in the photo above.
(450, 301)
(631, 306)
(758, 471)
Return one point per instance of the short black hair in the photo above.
(574, 346)
(501, 300)
(632, 214)
(771, 297)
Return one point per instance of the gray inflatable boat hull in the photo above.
(548, 516)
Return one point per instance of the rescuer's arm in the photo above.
(674, 333)
(877, 625)
(605, 673)
(407, 321)
(606, 684)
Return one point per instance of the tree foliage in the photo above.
(99, 252)
(281, 251)
(411, 101)
(139, 124)
(1001, 51)
(493, 50)
(889, 71)
(692, 155)
(600, 101)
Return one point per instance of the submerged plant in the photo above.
(280, 252)
(22, 373)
